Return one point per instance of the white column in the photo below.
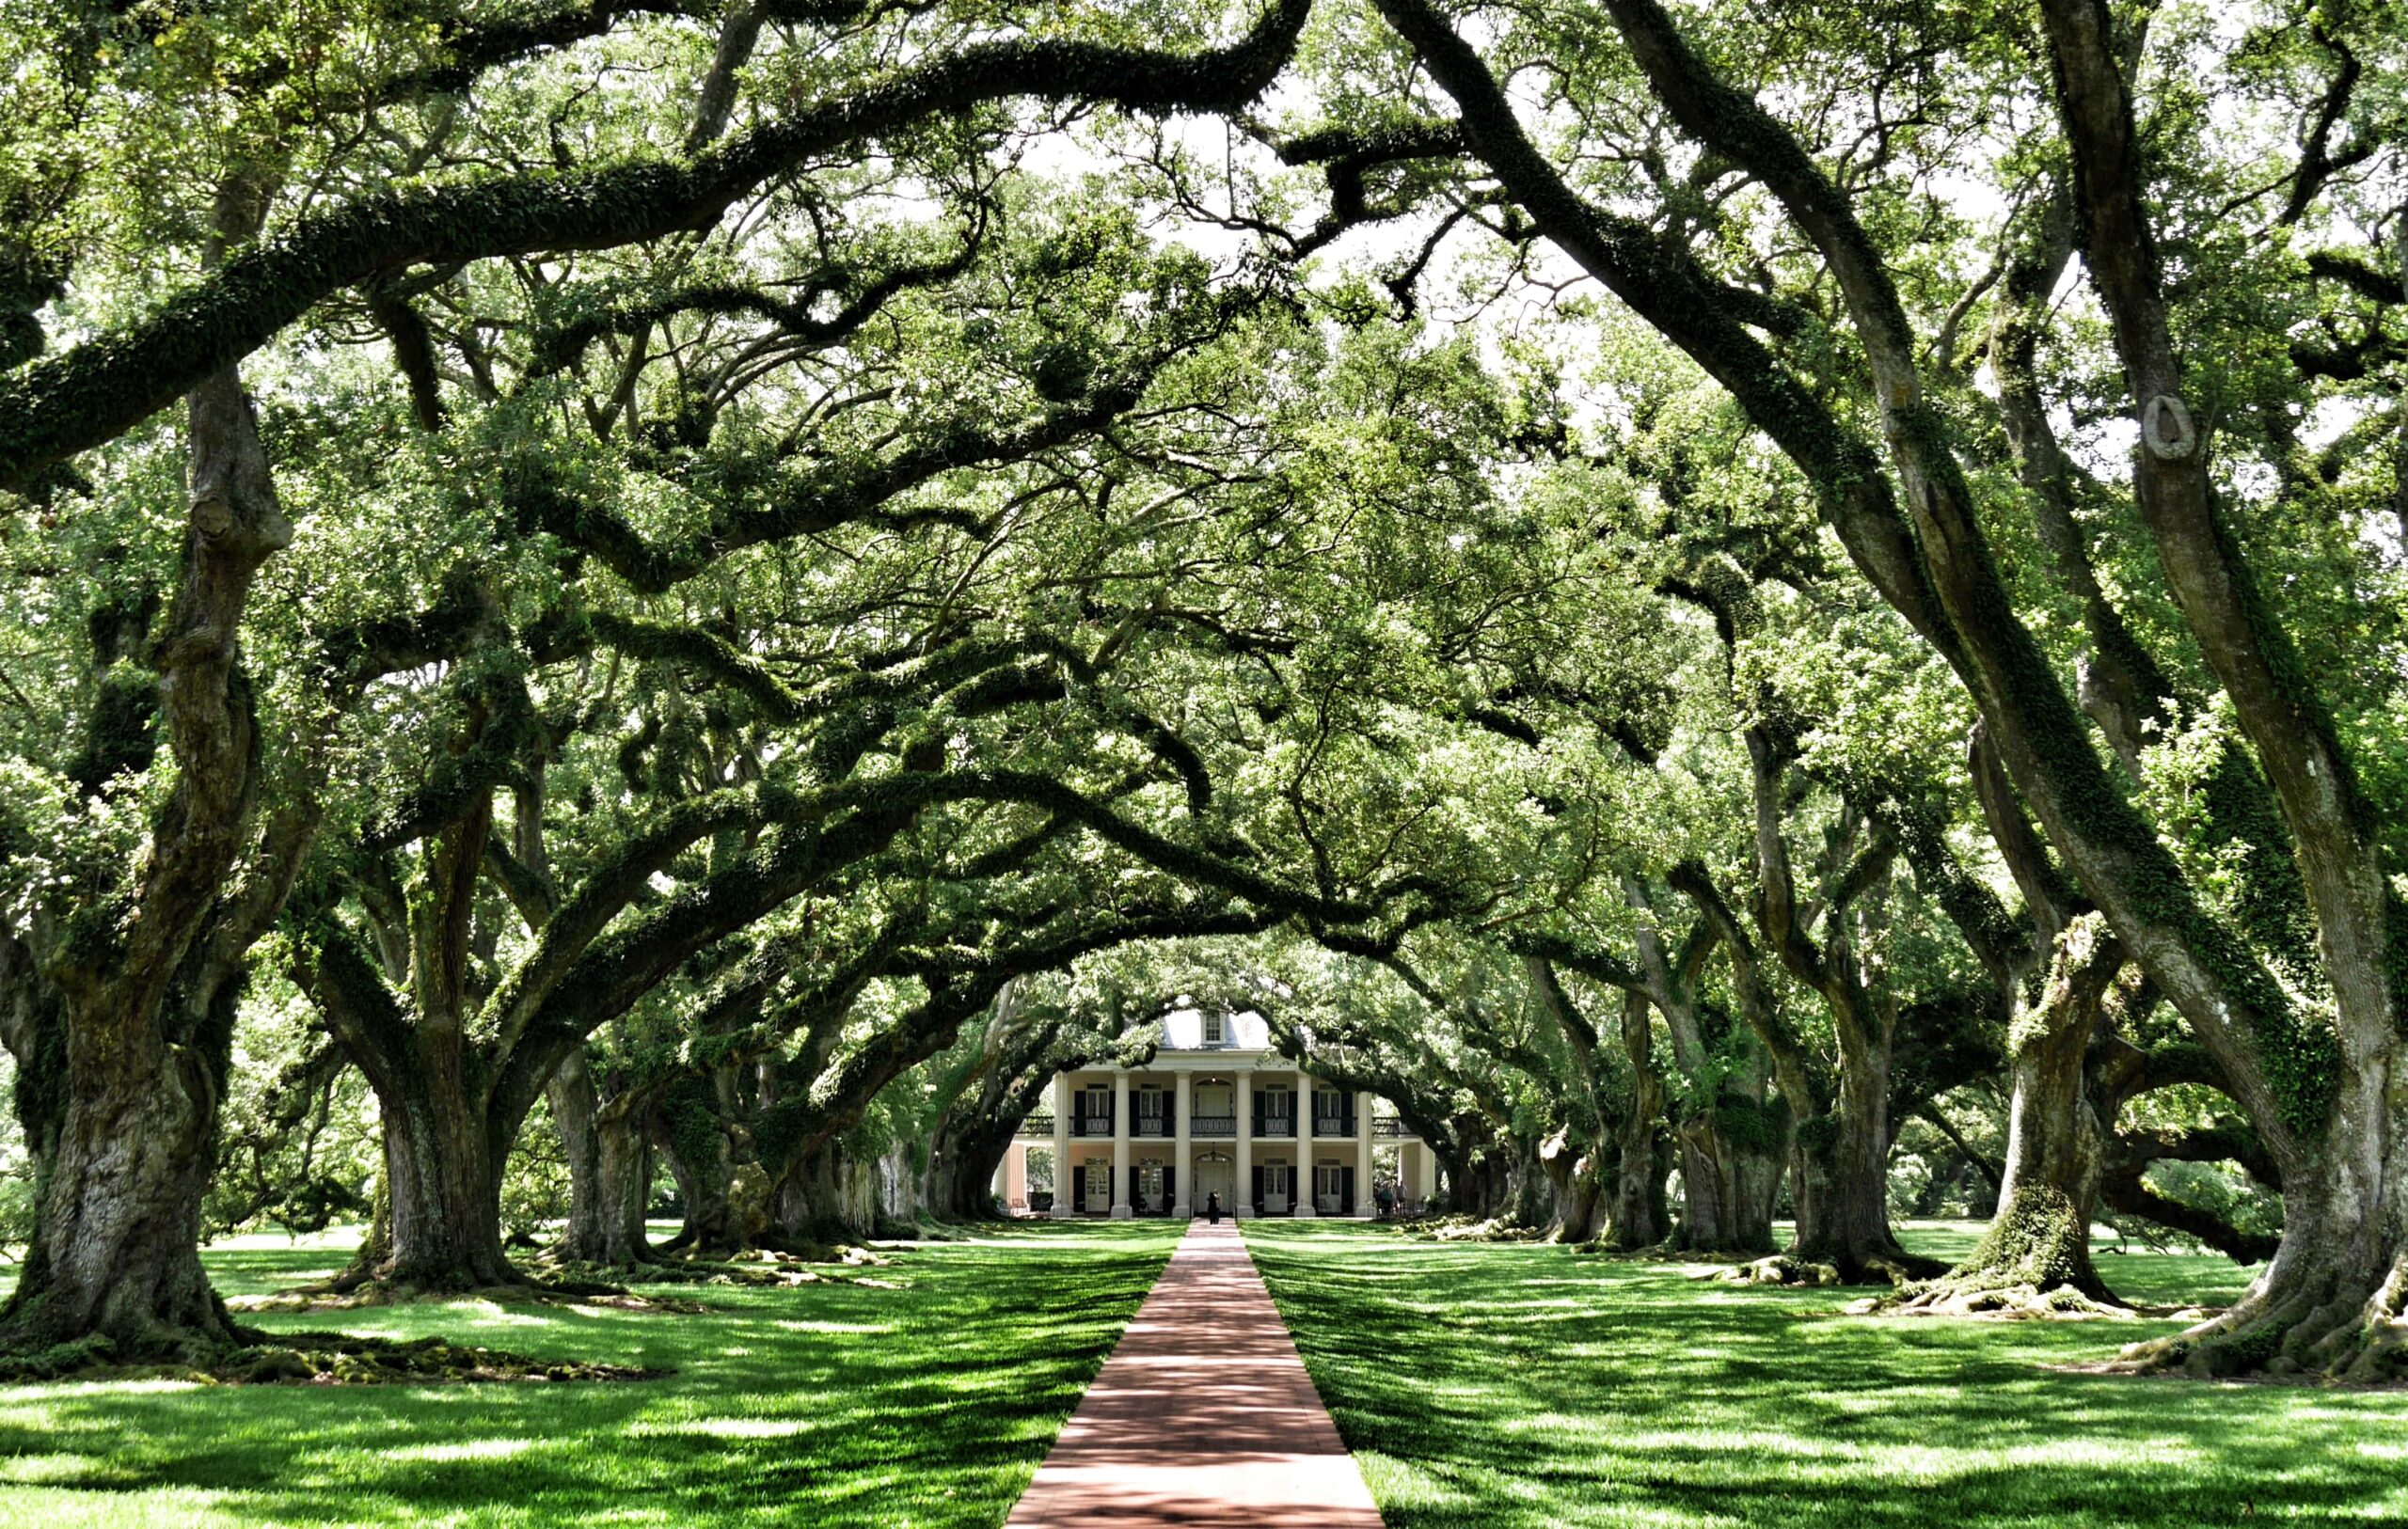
(1121, 1211)
(1183, 1192)
(1242, 1192)
(1300, 1177)
(1363, 1150)
(1062, 1206)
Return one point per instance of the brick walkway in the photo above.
(1202, 1415)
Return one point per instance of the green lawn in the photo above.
(1506, 1384)
(924, 1405)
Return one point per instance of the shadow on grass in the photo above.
(1513, 1384)
(924, 1405)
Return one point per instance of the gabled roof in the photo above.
(1247, 1032)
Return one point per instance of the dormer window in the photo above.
(1215, 1031)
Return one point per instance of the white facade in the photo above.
(1216, 1113)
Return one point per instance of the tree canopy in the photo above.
(1803, 601)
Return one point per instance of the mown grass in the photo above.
(929, 1404)
(1507, 1385)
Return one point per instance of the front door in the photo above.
(1099, 1189)
(1276, 1189)
(1216, 1174)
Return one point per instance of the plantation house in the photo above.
(1215, 1111)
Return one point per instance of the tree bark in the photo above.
(123, 1140)
(609, 1170)
(1732, 1148)
(443, 1188)
(1576, 1190)
(123, 1036)
(1638, 1218)
(826, 1197)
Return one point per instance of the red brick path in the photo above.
(1202, 1415)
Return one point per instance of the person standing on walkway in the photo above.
(1212, 1206)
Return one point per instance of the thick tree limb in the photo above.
(94, 392)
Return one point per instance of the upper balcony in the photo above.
(1220, 1128)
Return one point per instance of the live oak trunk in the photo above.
(1731, 1165)
(1576, 1190)
(123, 1143)
(1733, 1149)
(443, 1185)
(609, 1171)
(826, 1197)
(1843, 1162)
(961, 1170)
(124, 1040)
(1638, 1216)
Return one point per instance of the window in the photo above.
(1215, 1030)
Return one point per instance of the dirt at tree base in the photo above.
(2011, 1303)
(324, 1359)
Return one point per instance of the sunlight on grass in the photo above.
(1502, 1384)
(929, 1404)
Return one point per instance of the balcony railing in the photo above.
(1385, 1127)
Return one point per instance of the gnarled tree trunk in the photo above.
(1576, 1190)
(123, 1042)
(443, 1190)
(1638, 1216)
(609, 1169)
(123, 1138)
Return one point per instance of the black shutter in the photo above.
(1078, 1188)
(1346, 1194)
(1170, 1188)
(1258, 1189)
(1259, 1101)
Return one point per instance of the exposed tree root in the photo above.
(1898, 1268)
(554, 1288)
(1465, 1229)
(762, 1270)
(1781, 1268)
(2322, 1329)
(2033, 1262)
(316, 1359)
(1979, 1296)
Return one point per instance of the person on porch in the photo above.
(1212, 1206)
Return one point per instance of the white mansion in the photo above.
(1215, 1112)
